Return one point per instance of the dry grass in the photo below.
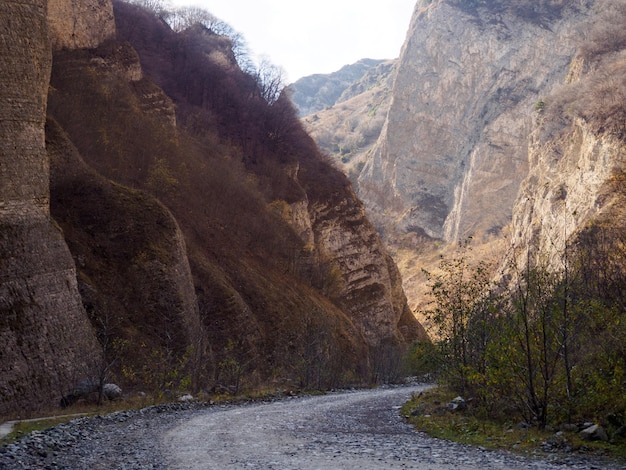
(427, 411)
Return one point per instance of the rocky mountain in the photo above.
(347, 128)
(462, 109)
(170, 228)
(492, 132)
(320, 91)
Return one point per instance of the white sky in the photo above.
(315, 36)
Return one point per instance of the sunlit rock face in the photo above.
(568, 185)
(369, 286)
(77, 24)
(454, 149)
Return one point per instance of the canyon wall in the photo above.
(454, 149)
(77, 24)
(46, 340)
(164, 267)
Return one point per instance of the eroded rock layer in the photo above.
(46, 341)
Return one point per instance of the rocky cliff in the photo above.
(497, 129)
(317, 92)
(453, 152)
(347, 127)
(77, 24)
(577, 150)
(46, 340)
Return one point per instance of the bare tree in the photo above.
(270, 79)
(183, 18)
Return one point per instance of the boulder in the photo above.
(458, 404)
(594, 433)
(89, 389)
(111, 392)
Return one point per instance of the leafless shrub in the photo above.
(606, 31)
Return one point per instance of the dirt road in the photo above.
(360, 430)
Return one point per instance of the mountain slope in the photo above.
(317, 92)
(213, 246)
(497, 130)
(455, 150)
(348, 127)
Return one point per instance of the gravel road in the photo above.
(351, 430)
(358, 430)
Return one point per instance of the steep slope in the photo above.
(453, 152)
(46, 341)
(454, 149)
(578, 149)
(212, 245)
(318, 92)
(289, 156)
(80, 23)
(348, 128)
(288, 274)
(125, 242)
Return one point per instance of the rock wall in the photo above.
(564, 190)
(453, 152)
(361, 276)
(46, 341)
(77, 24)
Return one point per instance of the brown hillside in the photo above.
(215, 246)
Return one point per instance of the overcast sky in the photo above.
(315, 36)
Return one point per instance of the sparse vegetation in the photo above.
(546, 351)
(598, 92)
(429, 412)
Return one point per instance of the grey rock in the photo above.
(594, 433)
(458, 404)
(112, 391)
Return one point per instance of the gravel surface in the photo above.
(337, 431)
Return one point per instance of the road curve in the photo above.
(357, 430)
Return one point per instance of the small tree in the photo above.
(463, 307)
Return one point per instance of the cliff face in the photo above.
(76, 24)
(577, 151)
(567, 186)
(318, 92)
(363, 278)
(453, 151)
(46, 341)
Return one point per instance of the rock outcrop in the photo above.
(577, 151)
(566, 187)
(170, 263)
(347, 128)
(79, 24)
(46, 340)
(364, 279)
(454, 150)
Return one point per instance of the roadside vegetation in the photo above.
(532, 360)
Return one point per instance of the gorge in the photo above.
(504, 125)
